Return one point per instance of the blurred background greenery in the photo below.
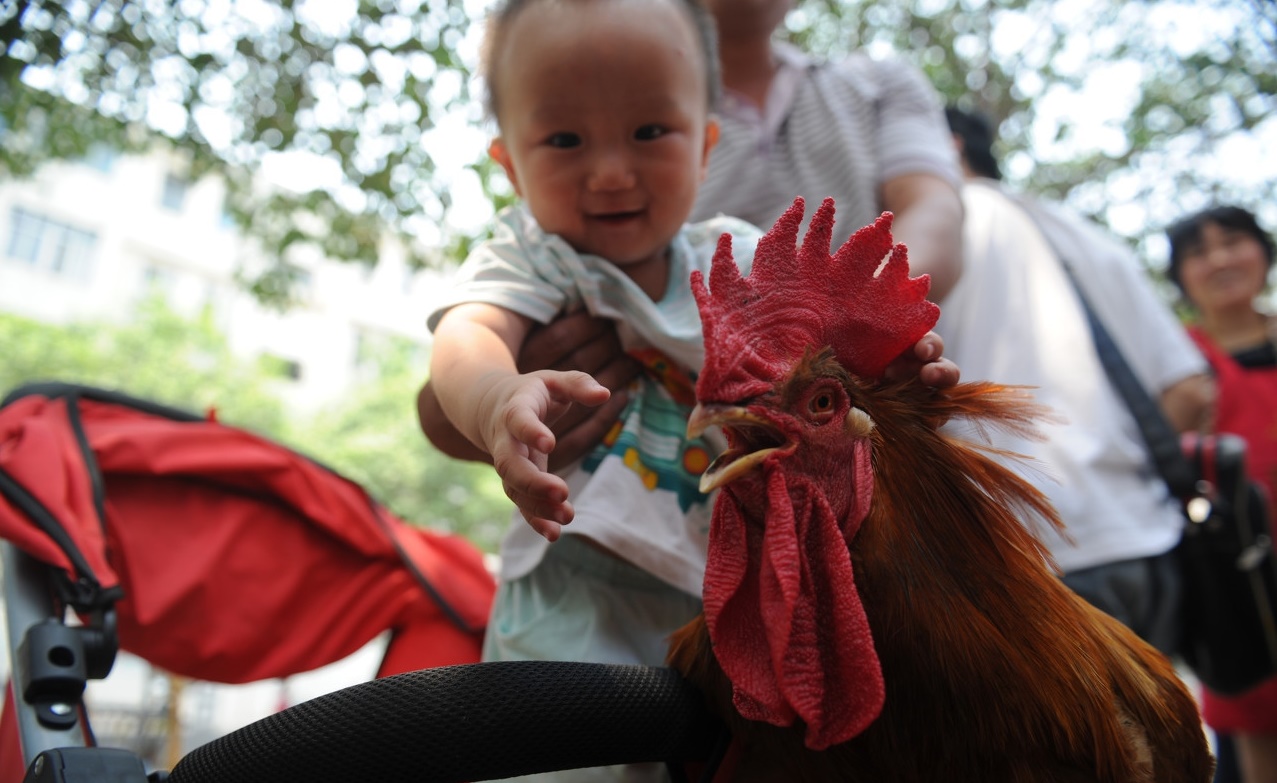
(1131, 111)
(370, 435)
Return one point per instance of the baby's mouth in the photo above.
(617, 217)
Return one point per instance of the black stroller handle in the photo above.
(470, 722)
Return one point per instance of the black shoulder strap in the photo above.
(1159, 436)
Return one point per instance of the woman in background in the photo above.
(1220, 259)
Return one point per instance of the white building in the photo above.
(88, 239)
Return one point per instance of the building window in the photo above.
(174, 193)
(24, 242)
(101, 157)
(51, 246)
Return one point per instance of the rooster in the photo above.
(874, 607)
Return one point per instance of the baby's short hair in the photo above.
(499, 22)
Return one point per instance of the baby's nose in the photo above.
(611, 170)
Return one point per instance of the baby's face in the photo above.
(604, 122)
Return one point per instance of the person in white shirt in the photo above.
(1015, 318)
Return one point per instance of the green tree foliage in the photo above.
(362, 83)
(1132, 111)
(228, 81)
(184, 363)
(371, 437)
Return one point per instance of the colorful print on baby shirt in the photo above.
(651, 434)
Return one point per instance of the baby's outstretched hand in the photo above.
(517, 414)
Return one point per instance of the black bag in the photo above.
(1226, 559)
(1229, 571)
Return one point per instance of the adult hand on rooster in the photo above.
(517, 412)
(926, 363)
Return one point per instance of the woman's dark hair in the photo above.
(499, 21)
(976, 133)
(1187, 232)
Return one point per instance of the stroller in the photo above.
(219, 555)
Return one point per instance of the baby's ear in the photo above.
(500, 154)
(711, 139)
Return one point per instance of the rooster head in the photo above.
(789, 350)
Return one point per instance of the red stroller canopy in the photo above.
(227, 557)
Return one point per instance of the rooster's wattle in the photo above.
(875, 608)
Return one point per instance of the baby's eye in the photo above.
(649, 132)
(563, 140)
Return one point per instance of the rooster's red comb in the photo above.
(861, 302)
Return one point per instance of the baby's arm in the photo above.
(506, 414)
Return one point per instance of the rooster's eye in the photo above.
(823, 400)
(821, 403)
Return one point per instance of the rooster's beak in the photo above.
(734, 462)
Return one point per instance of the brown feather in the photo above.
(995, 671)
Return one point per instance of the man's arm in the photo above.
(928, 220)
(1190, 404)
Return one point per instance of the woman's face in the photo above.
(1225, 269)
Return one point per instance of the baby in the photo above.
(604, 114)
